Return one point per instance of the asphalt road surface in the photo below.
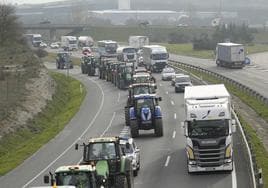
(163, 160)
(254, 76)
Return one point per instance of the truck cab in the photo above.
(208, 129)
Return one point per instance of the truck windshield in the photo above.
(76, 178)
(72, 42)
(129, 50)
(37, 39)
(208, 128)
(162, 56)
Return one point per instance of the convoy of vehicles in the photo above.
(155, 57)
(208, 128)
(230, 55)
(69, 43)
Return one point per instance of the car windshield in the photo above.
(162, 56)
(99, 151)
(208, 128)
(76, 178)
(183, 79)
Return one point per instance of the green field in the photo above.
(18, 146)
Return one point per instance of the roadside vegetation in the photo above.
(18, 146)
(262, 110)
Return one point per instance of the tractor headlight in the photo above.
(190, 153)
(228, 151)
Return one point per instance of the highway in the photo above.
(254, 76)
(163, 160)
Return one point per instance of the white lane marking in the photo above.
(68, 148)
(167, 92)
(108, 127)
(234, 181)
(119, 95)
(174, 134)
(172, 102)
(175, 116)
(167, 161)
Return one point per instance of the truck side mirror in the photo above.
(76, 146)
(46, 179)
(233, 126)
(184, 129)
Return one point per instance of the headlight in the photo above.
(228, 151)
(190, 153)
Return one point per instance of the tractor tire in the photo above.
(134, 128)
(127, 116)
(158, 130)
(121, 181)
(135, 172)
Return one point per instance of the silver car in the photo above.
(168, 73)
(131, 150)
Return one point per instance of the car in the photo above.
(131, 150)
(43, 45)
(168, 73)
(181, 82)
(174, 77)
(54, 45)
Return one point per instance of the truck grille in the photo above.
(209, 156)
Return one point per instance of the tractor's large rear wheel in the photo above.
(134, 128)
(158, 129)
(127, 116)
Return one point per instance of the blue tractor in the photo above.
(145, 114)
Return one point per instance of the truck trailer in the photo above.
(230, 55)
(69, 43)
(208, 128)
(155, 57)
(138, 41)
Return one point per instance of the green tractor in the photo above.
(137, 89)
(124, 75)
(79, 176)
(107, 150)
(88, 65)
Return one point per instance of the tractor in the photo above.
(124, 75)
(63, 61)
(79, 176)
(108, 150)
(145, 114)
(88, 65)
(137, 89)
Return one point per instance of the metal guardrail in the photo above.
(256, 173)
(235, 83)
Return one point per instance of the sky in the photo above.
(28, 1)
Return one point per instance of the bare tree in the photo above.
(10, 30)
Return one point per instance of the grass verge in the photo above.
(18, 146)
(255, 142)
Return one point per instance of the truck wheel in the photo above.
(158, 130)
(121, 181)
(134, 128)
(135, 172)
(127, 115)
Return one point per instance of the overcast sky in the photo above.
(28, 1)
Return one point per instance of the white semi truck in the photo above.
(230, 55)
(208, 128)
(34, 39)
(155, 57)
(126, 54)
(69, 43)
(138, 41)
